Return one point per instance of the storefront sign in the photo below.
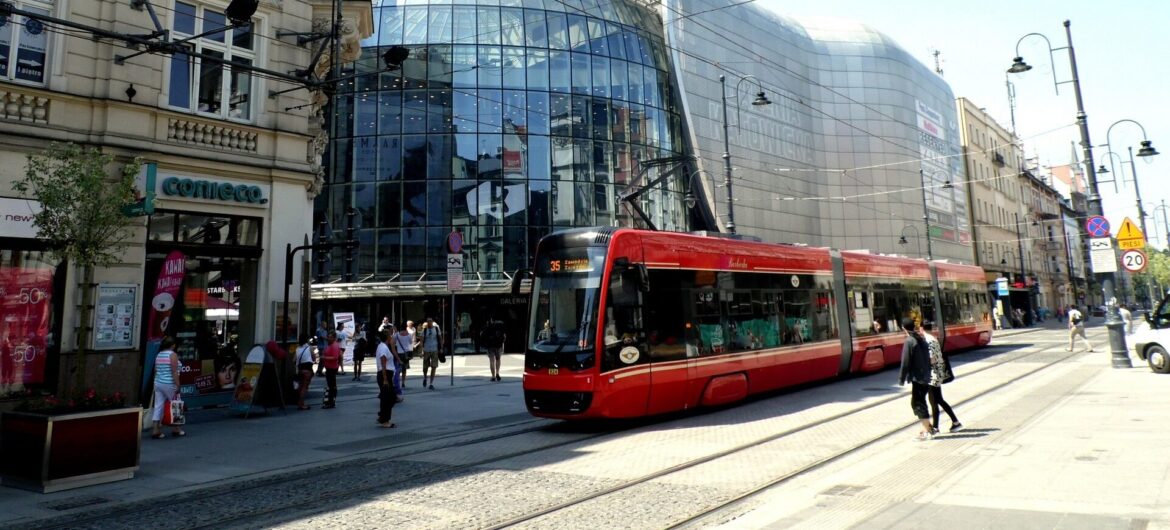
(16, 217)
(173, 187)
(115, 317)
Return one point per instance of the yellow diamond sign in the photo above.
(1130, 237)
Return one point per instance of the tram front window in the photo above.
(564, 308)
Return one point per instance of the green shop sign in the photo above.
(189, 188)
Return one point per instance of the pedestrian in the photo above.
(166, 386)
(331, 360)
(322, 335)
(432, 342)
(404, 346)
(998, 317)
(384, 360)
(1076, 326)
(304, 370)
(415, 351)
(916, 370)
(940, 373)
(385, 324)
(360, 347)
(492, 337)
(343, 338)
(1126, 317)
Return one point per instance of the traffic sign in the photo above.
(455, 242)
(454, 271)
(1134, 260)
(1097, 226)
(1130, 237)
(1101, 256)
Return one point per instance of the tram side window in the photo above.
(753, 319)
(861, 310)
(888, 310)
(664, 312)
(623, 315)
(798, 317)
(705, 327)
(950, 306)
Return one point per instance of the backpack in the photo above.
(1076, 317)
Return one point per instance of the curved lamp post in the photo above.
(760, 100)
(691, 200)
(1117, 347)
(917, 237)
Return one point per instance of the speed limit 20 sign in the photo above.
(1133, 260)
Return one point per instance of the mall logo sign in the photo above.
(197, 189)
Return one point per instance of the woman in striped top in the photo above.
(166, 385)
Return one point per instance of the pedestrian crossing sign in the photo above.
(1130, 237)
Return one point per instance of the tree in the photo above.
(80, 218)
(1159, 269)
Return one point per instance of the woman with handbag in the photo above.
(166, 386)
(304, 370)
(404, 347)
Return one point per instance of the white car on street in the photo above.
(1150, 340)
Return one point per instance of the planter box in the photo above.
(47, 453)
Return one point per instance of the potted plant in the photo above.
(70, 443)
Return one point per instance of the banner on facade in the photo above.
(26, 296)
(162, 304)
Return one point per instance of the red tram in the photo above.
(627, 323)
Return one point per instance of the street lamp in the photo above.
(917, 237)
(760, 100)
(690, 199)
(1146, 150)
(1117, 347)
(1165, 222)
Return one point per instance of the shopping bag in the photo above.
(175, 412)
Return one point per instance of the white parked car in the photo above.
(1150, 340)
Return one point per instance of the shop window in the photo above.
(27, 312)
(24, 44)
(211, 74)
(165, 227)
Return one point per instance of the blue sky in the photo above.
(1120, 49)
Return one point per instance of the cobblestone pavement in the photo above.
(507, 477)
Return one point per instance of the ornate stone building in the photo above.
(209, 102)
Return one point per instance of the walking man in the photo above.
(492, 338)
(940, 372)
(432, 342)
(1126, 317)
(1076, 326)
(916, 370)
(384, 360)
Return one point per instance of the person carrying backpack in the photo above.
(492, 337)
(1076, 326)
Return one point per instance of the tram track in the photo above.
(284, 493)
(308, 473)
(584, 501)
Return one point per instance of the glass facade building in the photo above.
(505, 122)
(511, 119)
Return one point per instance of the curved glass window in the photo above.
(507, 122)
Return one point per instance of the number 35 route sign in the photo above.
(1133, 260)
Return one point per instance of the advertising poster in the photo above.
(245, 391)
(30, 55)
(162, 304)
(345, 322)
(26, 296)
(115, 316)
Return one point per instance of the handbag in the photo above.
(175, 412)
(442, 356)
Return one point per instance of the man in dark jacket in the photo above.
(916, 370)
